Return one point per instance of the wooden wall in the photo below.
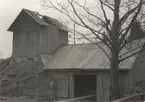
(102, 94)
(31, 39)
(137, 72)
(62, 83)
(103, 85)
(65, 83)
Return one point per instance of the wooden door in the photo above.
(62, 89)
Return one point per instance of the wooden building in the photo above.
(77, 70)
(81, 70)
(34, 34)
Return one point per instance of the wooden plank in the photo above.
(62, 89)
(4, 98)
(106, 81)
(71, 86)
(102, 87)
(129, 98)
(99, 88)
(126, 83)
(77, 99)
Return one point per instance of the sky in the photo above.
(9, 9)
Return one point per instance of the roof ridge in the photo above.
(42, 20)
(35, 14)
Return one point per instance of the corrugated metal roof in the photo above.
(87, 56)
(45, 58)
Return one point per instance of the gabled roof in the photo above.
(37, 17)
(41, 19)
(85, 56)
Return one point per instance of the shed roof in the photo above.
(37, 17)
(41, 19)
(85, 56)
(55, 22)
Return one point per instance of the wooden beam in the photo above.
(129, 98)
(76, 99)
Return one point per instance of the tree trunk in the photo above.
(114, 63)
(114, 82)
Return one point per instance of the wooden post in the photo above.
(142, 98)
(74, 33)
(71, 86)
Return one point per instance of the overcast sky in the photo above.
(9, 9)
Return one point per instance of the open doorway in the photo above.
(84, 85)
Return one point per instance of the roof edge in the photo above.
(29, 13)
(80, 69)
(10, 29)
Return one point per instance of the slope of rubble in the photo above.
(24, 77)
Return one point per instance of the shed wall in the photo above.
(62, 82)
(25, 32)
(137, 73)
(66, 82)
(103, 84)
(31, 39)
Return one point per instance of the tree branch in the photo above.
(123, 19)
(132, 21)
(128, 41)
(106, 53)
(105, 16)
(107, 6)
(93, 31)
(105, 23)
(131, 55)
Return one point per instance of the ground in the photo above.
(18, 99)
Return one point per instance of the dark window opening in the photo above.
(84, 85)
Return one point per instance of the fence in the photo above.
(88, 98)
(134, 98)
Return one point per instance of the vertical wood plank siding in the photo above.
(31, 39)
(71, 86)
(62, 80)
(103, 85)
(137, 72)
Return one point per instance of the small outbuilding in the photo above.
(81, 70)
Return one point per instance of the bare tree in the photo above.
(97, 23)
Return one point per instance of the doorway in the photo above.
(84, 85)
